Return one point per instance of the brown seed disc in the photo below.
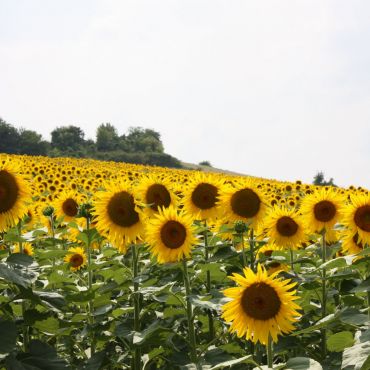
(286, 226)
(324, 211)
(260, 301)
(158, 196)
(76, 260)
(70, 207)
(362, 218)
(121, 209)
(245, 203)
(173, 234)
(8, 191)
(204, 196)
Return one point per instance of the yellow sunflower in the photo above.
(357, 217)
(66, 206)
(243, 202)
(261, 306)
(155, 193)
(351, 244)
(321, 209)
(201, 197)
(26, 248)
(116, 214)
(76, 258)
(285, 228)
(14, 194)
(170, 235)
(272, 266)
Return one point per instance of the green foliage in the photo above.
(319, 179)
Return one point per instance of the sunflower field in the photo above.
(113, 266)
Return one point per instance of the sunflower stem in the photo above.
(269, 353)
(90, 279)
(243, 250)
(208, 284)
(189, 312)
(323, 309)
(291, 259)
(25, 330)
(135, 270)
(251, 245)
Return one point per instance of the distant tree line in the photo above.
(319, 179)
(139, 145)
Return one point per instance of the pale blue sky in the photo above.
(277, 89)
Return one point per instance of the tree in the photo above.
(319, 180)
(9, 138)
(106, 137)
(67, 138)
(143, 140)
(30, 142)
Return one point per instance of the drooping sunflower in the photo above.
(321, 209)
(243, 202)
(170, 235)
(201, 197)
(351, 243)
(272, 266)
(76, 258)
(14, 195)
(285, 228)
(261, 305)
(66, 205)
(27, 248)
(116, 214)
(357, 217)
(155, 193)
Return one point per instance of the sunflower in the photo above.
(66, 206)
(321, 209)
(155, 193)
(351, 244)
(357, 217)
(243, 202)
(14, 194)
(261, 306)
(272, 266)
(170, 235)
(284, 227)
(116, 214)
(26, 249)
(201, 197)
(76, 257)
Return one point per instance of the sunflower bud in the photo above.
(84, 210)
(240, 227)
(48, 211)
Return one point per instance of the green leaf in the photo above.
(217, 272)
(84, 296)
(8, 341)
(302, 363)
(95, 362)
(366, 364)
(355, 357)
(319, 324)
(14, 276)
(353, 317)
(20, 259)
(49, 326)
(230, 363)
(33, 315)
(339, 341)
(363, 287)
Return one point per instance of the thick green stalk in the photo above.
(291, 259)
(243, 250)
(269, 353)
(189, 312)
(208, 285)
(323, 308)
(90, 279)
(251, 246)
(135, 270)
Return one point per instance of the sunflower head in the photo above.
(66, 206)
(27, 248)
(284, 227)
(170, 235)
(321, 209)
(76, 258)
(201, 197)
(271, 266)
(14, 195)
(261, 306)
(243, 202)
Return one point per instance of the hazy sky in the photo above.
(277, 89)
